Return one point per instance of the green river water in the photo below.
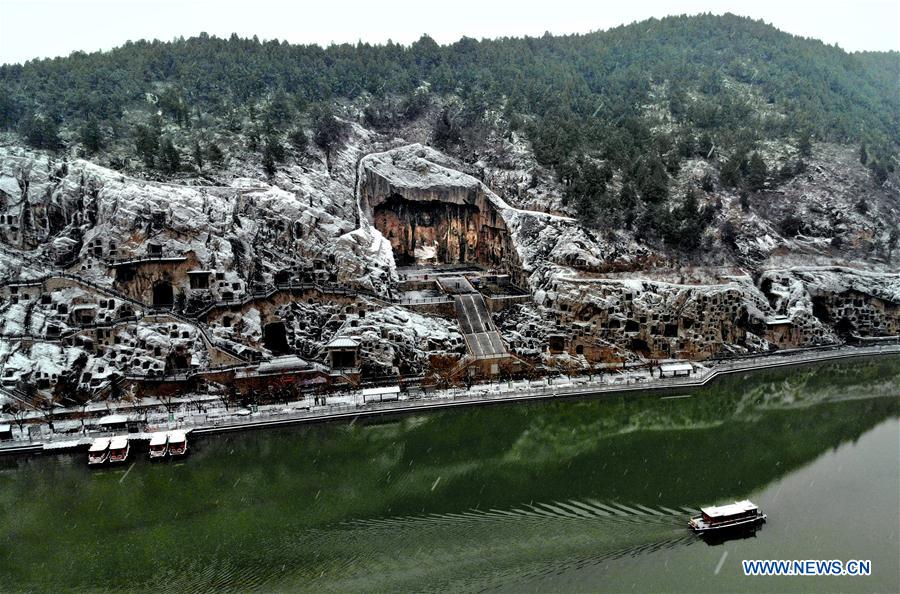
(561, 496)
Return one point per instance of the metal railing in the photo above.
(132, 259)
(425, 300)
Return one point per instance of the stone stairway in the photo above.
(478, 329)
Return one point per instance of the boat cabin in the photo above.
(159, 445)
(118, 449)
(177, 443)
(725, 513)
(99, 451)
(738, 513)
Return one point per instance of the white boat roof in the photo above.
(158, 438)
(673, 367)
(113, 419)
(732, 509)
(100, 444)
(177, 436)
(379, 391)
(4, 428)
(117, 443)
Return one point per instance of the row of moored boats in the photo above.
(115, 450)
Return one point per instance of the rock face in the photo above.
(107, 276)
(432, 214)
(421, 200)
(786, 308)
(830, 303)
(435, 232)
(657, 320)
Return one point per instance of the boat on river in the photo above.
(118, 450)
(177, 444)
(740, 514)
(159, 445)
(98, 453)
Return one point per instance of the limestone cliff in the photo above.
(106, 275)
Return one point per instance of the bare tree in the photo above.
(46, 402)
(229, 395)
(18, 411)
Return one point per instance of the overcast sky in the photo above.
(44, 28)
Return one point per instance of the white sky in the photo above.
(46, 28)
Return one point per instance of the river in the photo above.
(575, 495)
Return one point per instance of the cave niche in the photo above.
(432, 232)
(275, 338)
(163, 294)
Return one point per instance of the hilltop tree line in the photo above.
(587, 103)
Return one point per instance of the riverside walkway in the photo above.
(352, 406)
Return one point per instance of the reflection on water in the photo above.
(572, 496)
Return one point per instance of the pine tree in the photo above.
(445, 132)
(198, 155)
(40, 132)
(146, 144)
(253, 139)
(730, 174)
(169, 158)
(278, 111)
(690, 223)
(804, 145)
(705, 145)
(756, 173)
(214, 154)
(273, 153)
(654, 183)
(299, 140)
(9, 110)
(91, 137)
(628, 203)
(863, 154)
(327, 130)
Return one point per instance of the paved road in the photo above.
(498, 393)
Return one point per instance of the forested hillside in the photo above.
(613, 113)
(675, 188)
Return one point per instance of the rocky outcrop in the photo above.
(402, 188)
(835, 302)
(287, 264)
(432, 214)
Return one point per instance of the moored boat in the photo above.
(159, 445)
(177, 444)
(98, 453)
(734, 515)
(118, 450)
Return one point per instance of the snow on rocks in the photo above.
(396, 340)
